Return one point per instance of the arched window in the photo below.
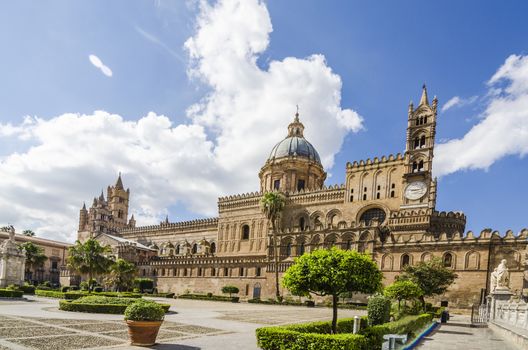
(213, 248)
(288, 249)
(178, 249)
(448, 260)
(301, 248)
(421, 166)
(348, 244)
(414, 167)
(405, 260)
(416, 143)
(422, 141)
(302, 224)
(373, 214)
(245, 232)
(195, 248)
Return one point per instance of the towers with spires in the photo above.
(421, 130)
(106, 215)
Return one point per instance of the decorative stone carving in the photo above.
(12, 260)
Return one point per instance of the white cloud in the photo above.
(503, 129)
(454, 101)
(228, 138)
(457, 101)
(96, 61)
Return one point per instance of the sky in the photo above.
(187, 98)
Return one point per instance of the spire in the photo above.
(423, 99)
(101, 197)
(119, 183)
(296, 128)
(84, 206)
(167, 219)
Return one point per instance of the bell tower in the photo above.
(118, 203)
(420, 187)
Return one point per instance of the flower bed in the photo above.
(8, 293)
(209, 297)
(317, 335)
(100, 304)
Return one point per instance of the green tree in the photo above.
(272, 204)
(143, 284)
(403, 290)
(431, 276)
(89, 258)
(230, 290)
(28, 233)
(35, 257)
(332, 272)
(121, 275)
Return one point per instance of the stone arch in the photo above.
(405, 259)
(377, 185)
(317, 218)
(315, 242)
(373, 206)
(347, 240)
(427, 256)
(363, 186)
(333, 217)
(449, 259)
(472, 260)
(330, 240)
(387, 262)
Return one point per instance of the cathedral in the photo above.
(386, 208)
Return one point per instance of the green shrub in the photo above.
(64, 289)
(378, 309)
(230, 290)
(84, 285)
(144, 284)
(80, 294)
(105, 305)
(28, 289)
(98, 289)
(47, 284)
(143, 310)
(409, 325)
(159, 295)
(7, 293)
(43, 287)
(205, 297)
(49, 293)
(74, 287)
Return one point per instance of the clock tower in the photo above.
(419, 189)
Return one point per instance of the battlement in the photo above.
(469, 237)
(375, 161)
(183, 225)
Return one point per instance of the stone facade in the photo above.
(387, 208)
(55, 251)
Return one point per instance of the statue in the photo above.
(500, 277)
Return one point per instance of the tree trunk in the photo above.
(422, 300)
(334, 313)
(90, 281)
(276, 260)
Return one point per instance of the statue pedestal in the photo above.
(499, 296)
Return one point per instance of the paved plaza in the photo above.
(191, 324)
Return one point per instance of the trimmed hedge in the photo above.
(317, 335)
(49, 293)
(378, 309)
(159, 295)
(207, 297)
(7, 293)
(99, 308)
(27, 289)
(80, 294)
(314, 335)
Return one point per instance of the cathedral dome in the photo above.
(295, 146)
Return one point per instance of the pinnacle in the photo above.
(119, 183)
(424, 100)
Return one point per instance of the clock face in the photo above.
(415, 190)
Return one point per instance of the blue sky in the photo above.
(381, 51)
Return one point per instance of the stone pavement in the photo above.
(457, 334)
(191, 325)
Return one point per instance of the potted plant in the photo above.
(144, 319)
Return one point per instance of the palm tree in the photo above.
(272, 205)
(35, 257)
(121, 275)
(89, 257)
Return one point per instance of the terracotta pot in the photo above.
(143, 333)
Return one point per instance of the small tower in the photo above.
(83, 217)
